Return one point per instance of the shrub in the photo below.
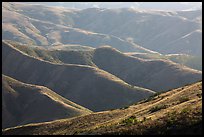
(185, 111)
(157, 108)
(199, 95)
(183, 99)
(171, 118)
(130, 120)
(125, 107)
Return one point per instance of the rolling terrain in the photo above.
(101, 71)
(26, 28)
(77, 54)
(194, 62)
(25, 103)
(157, 75)
(173, 33)
(178, 111)
(77, 83)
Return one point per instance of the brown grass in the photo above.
(176, 118)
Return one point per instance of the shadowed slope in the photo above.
(175, 112)
(158, 75)
(24, 103)
(78, 83)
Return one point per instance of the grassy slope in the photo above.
(26, 103)
(76, 54)
(194, 62)
(171, 33)
(62, 54)
(175, 112)
(78, 83)
(135, 71)
(158, 75)
(22, 25)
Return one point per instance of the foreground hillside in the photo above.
(25, 103)
(157, 75)
(178, 111)
(77, 83)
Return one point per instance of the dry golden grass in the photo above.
(175, 118)
(26, 103)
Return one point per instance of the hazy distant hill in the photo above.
(31, 27)
(25, 103)
(175, 6)
(161, 31)
(194, 62)
(167, 32)
(77, 83)
(158, 75)
(175, 112)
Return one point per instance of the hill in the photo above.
(28, 26)
(173, 32)
(25, 103)
(135, 71)
(175, 112)
(158, 75)
(77, 83)
(194, 62)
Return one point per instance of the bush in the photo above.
(125, 107)
(157, 108)
(183, 99)
(185, 111)
(199, 95)
(130, 120)
(153, 97)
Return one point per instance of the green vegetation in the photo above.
(157, 108)
(183, 99)
(130, 120)
(152, 97)
(171, 118)
(185, 110)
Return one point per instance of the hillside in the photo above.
(124, 29)
(158, 75)
(173, 33)
(135, 71)
(194, 62)
(77, 54)
(25, 103)
(77, 83)
(32, 27)
(175, 112)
